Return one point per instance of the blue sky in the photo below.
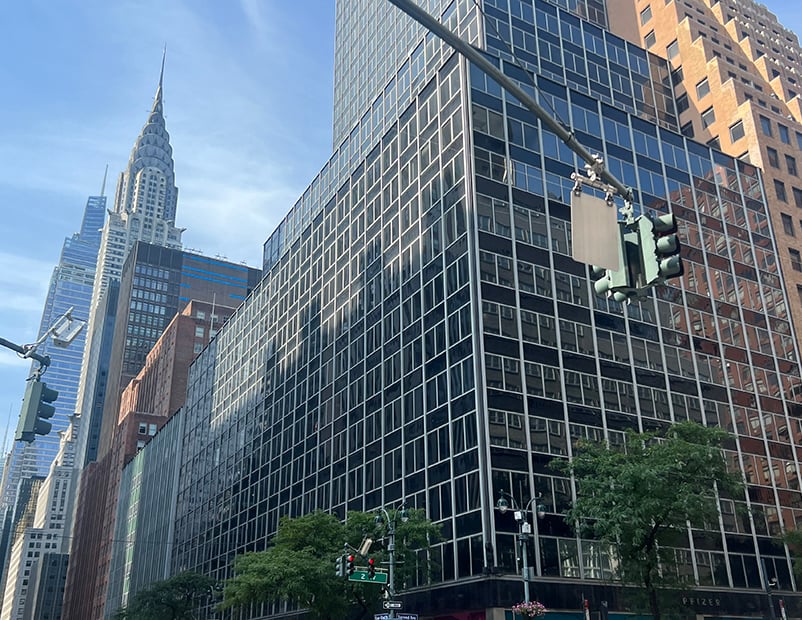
(247, 90)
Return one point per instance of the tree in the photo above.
(299, 564)
(171, 599)
(638, 499)
(793, 538)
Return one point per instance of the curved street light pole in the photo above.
(400, 512)
(524, 529)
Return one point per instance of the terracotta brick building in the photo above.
(738, 75)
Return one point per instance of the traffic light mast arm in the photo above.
(26, 351)
(595, 163)
(64, 331)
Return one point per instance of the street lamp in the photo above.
(770, 584)
(504, 503)
(383, 517)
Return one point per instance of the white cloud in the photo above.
(231, 221)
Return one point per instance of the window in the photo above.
(687, 130)
(708, 117)
(779, 188)
(799, 140)
(784, 135)
(645, 15)
(773, 156)
(199, 332)
(797, 196)
(790, 162)
(796, 259)
(703, 88)
(672, 51)
(737, 131)
(788, 224)
(765, 125)
(683, 103)
(649, 40)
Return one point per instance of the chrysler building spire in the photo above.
(146, 197)
(157, 100)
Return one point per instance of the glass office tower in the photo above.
(423, 334)
(70, 287)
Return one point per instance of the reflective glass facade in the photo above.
(422, 332)
(145, 517)
(70, 287)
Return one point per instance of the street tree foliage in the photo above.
(793, 538)
(172, 599)
(637, 499)
(299, 564)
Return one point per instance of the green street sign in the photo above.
(362, 575)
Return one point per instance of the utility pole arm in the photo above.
(477, 58)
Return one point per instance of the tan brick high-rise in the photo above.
(738, 74)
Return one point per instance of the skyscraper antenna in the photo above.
(8, 425)
(103, 185)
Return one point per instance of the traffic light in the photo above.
(620, 284)
(339, 566)
(660, 247)
(351, 567)
(371, 568)
(36, 409)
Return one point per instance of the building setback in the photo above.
(422, 333)
(738, 73)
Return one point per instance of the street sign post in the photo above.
(362, 575)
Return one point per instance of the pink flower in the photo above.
(532, 609)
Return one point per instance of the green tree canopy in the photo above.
(171, 599)
(793, 538)
(299, 564)
(638, 498)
